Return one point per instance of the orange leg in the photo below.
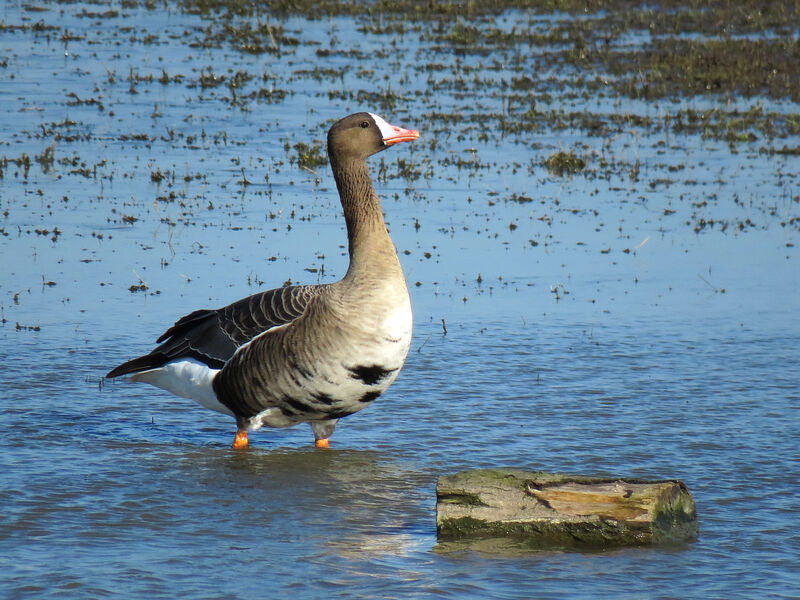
(321, 443)
(240, 440)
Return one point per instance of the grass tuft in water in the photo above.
(564, 163)
(309, 157)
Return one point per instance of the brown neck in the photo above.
(367, 238)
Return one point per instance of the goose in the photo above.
(302, 353)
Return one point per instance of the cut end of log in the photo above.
(557, 510)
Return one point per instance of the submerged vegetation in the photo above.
(564, 163)
(310, 156)
(643, 51)
(742, 66)
(675, 50)
(518, 103)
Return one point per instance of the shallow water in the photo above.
(623, 342)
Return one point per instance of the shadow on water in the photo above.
(509, 547)
(342, 501)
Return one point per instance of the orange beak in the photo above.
(400, 135)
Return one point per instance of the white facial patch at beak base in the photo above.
(387, 130)
(391, 134)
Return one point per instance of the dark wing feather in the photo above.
(212, 336)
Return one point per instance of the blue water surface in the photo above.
(592, 328)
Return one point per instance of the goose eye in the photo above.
(364, 124)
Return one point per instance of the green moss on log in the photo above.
(553, 509)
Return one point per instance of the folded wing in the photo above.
(213, 335)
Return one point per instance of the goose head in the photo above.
(363, 134)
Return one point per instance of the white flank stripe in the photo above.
(186, 377)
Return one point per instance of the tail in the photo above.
(137, 365)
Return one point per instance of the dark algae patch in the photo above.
(675, 67)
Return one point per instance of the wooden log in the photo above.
(557, 510)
